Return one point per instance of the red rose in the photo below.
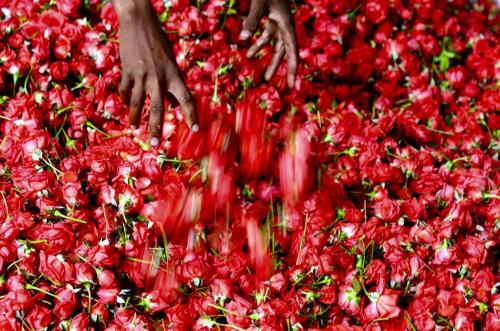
(84, 273)
(221, 288)
(16, 40)
(328, 294)
(39, 317)
(241, 309)
(72, 194)
(106, 278)
(108, 295)
(31, 181)
(56, 268)
(99, 311)
(79, 322)
(58, 237)
(16, 283)
(427, 183)
(69, 7)
(59, 70)
(445, 255)
(492, 321)
(349, 300)
(376, 11)
(482, 285)
(9, 323)
(412, 209)
(387, 210)
(105, 256)
(113, 106)
(203, 305)
(382, 305)
(65, 304)
(62, 48)
(181, 317)
(193, 271)
(456, 76)
(18, 300)
(108, 15)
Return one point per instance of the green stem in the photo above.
(440, 131)
(32, 287)
(303, 238)
(91, 125)
(25, 88)
(39, 241)
(409, 321)
(230, 326)
(57, 213)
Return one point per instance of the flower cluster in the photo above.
(366, 198)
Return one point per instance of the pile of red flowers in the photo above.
(366, 198)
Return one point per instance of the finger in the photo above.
(183, 96)
(126, 87)
(156, 114)
(263, 40)
(136, 104)
(291, 48)
(275, 61)
(252, 21)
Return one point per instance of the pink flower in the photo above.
(382, 305)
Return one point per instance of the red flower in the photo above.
(382, 305)
(80, 321)
(55, 239)
(7, 253)
(69, 8)
(328, 295)
(39, 317)
(84, 273)
(108, 295)
(376, 11)
(65, 304)
(30, 181)
(62, 48)
(239, 309)
(103, 256)
(387, 210)
(56, 268)
(59, 70)
(426, 183)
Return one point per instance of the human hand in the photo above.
(280, 25)
(149, 66)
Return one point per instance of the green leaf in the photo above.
(164, 16)
(355, 285)
(444, 63)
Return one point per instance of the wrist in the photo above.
(127, 10)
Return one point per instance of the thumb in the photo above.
(252, 21)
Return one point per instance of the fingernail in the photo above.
(245, 34)
(133, 127)
(195, 127)
(154, 141)
(267, 76)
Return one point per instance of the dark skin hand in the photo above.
(149, 63)
(279, 25)
(149, 66)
